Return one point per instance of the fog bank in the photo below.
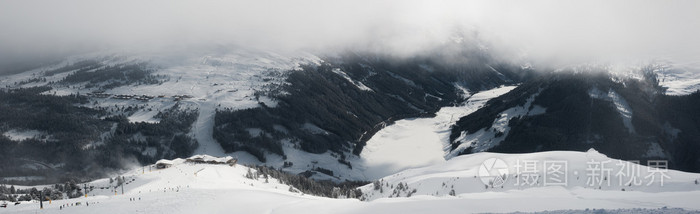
(539, 31)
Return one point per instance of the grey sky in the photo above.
(542, 30)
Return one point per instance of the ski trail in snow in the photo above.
(204, 129)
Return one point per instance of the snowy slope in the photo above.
(680, 80)
(217, 79)
(20, 135)
(485, 139)
(680, 73)
(462, 175)
(224, 189)
(620, 104)
(417, 142)
(225, 78)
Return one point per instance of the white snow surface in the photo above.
(203, 129)
(207, 188)
(20, 135)
(357, 84)
(144, 117)
(681, 77)
(417, 142)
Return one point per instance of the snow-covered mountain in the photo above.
(680, 79)
(304, 112)
(626, 118)
(284, 106)
(418, 130)
(331, 117)
(173, 97)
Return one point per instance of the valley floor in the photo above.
(421, 141)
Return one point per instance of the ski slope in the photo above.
(206, 188)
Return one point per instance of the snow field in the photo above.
(417, 142)
(224, 189)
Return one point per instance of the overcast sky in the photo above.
(543, 30)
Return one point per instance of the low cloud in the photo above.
(540, 31)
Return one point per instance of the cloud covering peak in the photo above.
(542, 30)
